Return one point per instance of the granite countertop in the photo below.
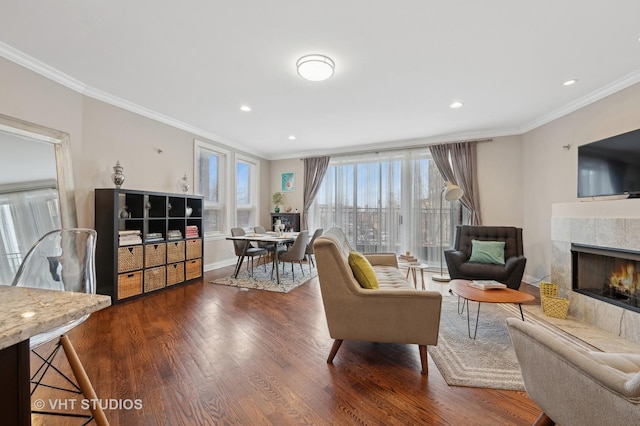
(26, 312)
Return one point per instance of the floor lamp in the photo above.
(450, 192)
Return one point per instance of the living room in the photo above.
(521, 174)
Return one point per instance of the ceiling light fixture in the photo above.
(570, 82)
(456, 104)
(245, 108)
(315, 67)
(292, 137)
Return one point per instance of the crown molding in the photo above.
(31, 63)
(403, 143)
(609, 89)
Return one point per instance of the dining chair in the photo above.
(270, 247)
(296, 253)
(309, 252)
(250, 252)
(62, 260)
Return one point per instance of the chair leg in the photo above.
(423, 360)
(83, 381)
(334, 350)
(301, 270)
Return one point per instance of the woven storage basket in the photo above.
(154, 278)
(175, 251)
(548, 289)
(194, 269)
(194, 249)
(129, 284)
(175, 273)
(129, 258)
(552, 305)
(155, 254)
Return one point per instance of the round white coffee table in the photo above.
(412, 268)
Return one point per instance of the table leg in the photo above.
(276, 265)
(521, 314)
(469, 321)
(422, 276)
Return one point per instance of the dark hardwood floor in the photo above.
(205, 354)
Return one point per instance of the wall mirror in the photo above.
(36, 189)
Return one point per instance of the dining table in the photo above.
(269, 238)
(24, 313)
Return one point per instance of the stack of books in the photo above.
(153, 237)
(407, 258)
(192, 231)
(174, 234)
(486, 284)
(129, 237)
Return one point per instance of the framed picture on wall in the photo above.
(287, 182)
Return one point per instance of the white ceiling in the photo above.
(398, 64)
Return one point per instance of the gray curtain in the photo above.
(314, 171)
(461, 170)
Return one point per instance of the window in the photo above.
(247, 172)
(211, 176)
(387, 202)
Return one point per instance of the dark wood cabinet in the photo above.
(147, 241)
(291, 221)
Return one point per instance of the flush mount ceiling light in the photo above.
(456, 104)
(570, 82)
(315, 67)
(245, 108)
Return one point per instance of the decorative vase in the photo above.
(184, 184)
(124, 214)
(277, 210)
(118, 177)
(188, 210)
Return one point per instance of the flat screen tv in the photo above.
(610, 167)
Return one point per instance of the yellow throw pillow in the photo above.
(363, 271)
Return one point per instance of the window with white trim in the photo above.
(247, 171)
(211, 183)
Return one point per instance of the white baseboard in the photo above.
(220, 264)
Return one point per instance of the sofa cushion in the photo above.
(487, 252)
(363, 271)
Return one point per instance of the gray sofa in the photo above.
(510, 273)
(574, 386)
(394, 313)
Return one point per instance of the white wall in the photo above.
(294, 199)
(500, 181)
(550, 173)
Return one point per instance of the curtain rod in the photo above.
(369, 151)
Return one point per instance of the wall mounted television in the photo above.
(610, 167)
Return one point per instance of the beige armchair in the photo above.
(574, 386)
(394, 313)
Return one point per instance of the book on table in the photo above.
(487, 284)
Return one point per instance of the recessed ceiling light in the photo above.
(456, 104)
(315, 67)
(292, 137)
(570, 82)
(245, 108)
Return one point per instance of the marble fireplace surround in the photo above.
(612, 223)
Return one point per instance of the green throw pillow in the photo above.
(487, 252)
(363, 271)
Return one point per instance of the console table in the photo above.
(26, 312)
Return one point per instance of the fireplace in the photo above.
(607, 274)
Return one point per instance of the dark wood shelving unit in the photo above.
(173, 257)
(291, 221)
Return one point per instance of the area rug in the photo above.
(261, 280)
(489, 361)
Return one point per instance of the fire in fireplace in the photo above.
(607, 274)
